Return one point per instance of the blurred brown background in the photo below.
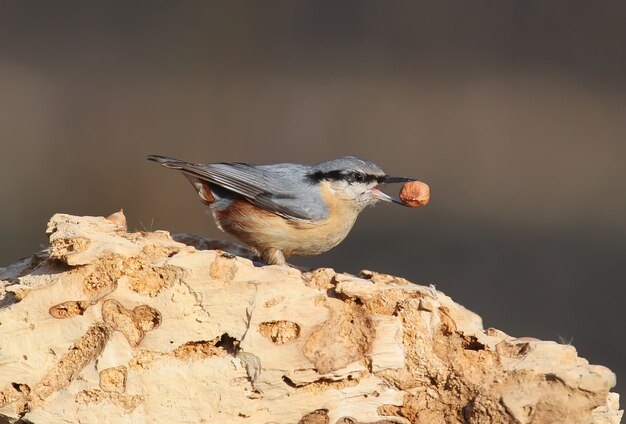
(513, 111)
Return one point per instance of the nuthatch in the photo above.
(287, 209)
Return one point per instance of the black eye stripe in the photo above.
(350, 177)
(359, 177)
(319, 176)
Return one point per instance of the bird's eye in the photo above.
(359, 177)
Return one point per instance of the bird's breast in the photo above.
(262, 229)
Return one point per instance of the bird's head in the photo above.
(355, 181)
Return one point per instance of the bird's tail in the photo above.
(190, 171)
(168, 162)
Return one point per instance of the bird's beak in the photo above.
(385, 197)
(391, 180)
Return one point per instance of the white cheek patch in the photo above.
(331, 189)
(338, 187)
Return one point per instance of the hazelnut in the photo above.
(415, 194)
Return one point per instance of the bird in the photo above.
(287, 209)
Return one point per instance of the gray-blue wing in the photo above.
(282, 189)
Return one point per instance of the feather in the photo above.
(277, 189)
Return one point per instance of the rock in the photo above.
(119, 218)
(111, 326)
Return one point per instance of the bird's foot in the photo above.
(272, 256)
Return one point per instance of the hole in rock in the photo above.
(229, 344)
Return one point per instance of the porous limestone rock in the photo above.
(111, 326)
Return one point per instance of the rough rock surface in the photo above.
(111, 326)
